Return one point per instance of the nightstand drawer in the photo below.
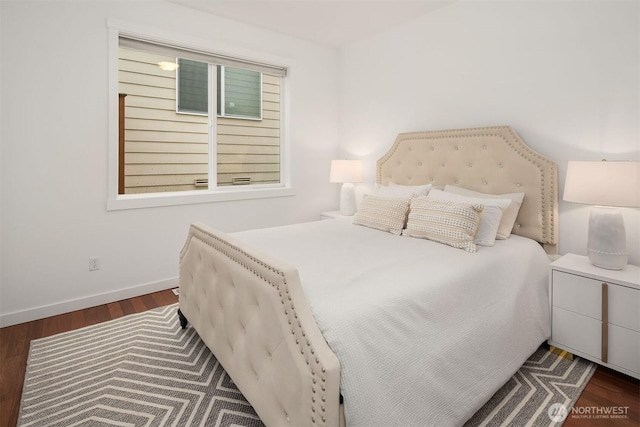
(624, 348)
(577, 332)
(577, 293)
(624, 307)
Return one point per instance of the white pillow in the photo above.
(383, 213)
(489, 218)
(450, 223)
(508, 217)
(397, 190)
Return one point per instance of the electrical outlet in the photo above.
(94, 263)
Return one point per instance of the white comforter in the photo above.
(425, 333)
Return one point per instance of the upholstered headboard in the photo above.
(491, 160)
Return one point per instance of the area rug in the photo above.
(541, 393)
(144, 370)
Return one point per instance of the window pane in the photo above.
(249, 150)
(163, 150)
(242, 93)
(192, 86)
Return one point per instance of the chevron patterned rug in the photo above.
(144, 370)
(541, 393)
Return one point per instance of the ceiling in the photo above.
(330, 22)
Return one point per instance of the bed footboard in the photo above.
(251, 311)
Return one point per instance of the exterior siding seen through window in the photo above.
(168, 151)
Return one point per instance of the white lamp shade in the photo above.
(605, 183)
(346, 171)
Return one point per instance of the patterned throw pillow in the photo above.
(489, 218)
(451, 223)
(383, 213)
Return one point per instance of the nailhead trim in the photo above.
(239, 256)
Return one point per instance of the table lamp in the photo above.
(346, 172)
(607, 185)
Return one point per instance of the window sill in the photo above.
(152, 200)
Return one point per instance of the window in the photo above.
(239, 92)
(211, 123)
(192, 83)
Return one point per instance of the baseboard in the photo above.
(8, 319)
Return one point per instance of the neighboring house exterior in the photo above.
(168, 151)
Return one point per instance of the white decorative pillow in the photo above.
(383, 213)
(508, 217)
(489, 218)
(397, 190)
(451, 223)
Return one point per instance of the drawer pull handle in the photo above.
(605, 320)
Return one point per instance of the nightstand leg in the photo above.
(560, 352)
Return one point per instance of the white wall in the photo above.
(54, 155)
(564, 75)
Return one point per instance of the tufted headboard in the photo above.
(490, 160)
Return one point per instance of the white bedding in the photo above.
(425, 333)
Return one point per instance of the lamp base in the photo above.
(347, 199)
(607, 242)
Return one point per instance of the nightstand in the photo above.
(595, 313)
(335, 215)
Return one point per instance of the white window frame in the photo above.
(117, 201)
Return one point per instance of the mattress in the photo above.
(425, 333)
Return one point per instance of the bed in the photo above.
(300, 316)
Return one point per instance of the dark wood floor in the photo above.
(607, 388)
